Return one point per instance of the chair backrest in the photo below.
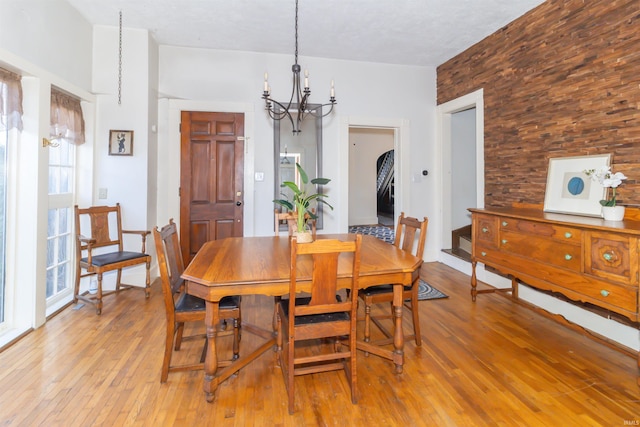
(103, 224)
(170, 262)
(406, 231)
(325, 254)
(291, 220)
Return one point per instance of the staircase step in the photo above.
(465, 243)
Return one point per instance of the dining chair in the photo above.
(180, 307)
(100, 248)
(405, 238)
(290, 218)
(322, 315)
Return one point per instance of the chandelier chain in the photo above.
(120, 60)
(296, 27)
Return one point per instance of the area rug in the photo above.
(426, 291)
(383, 233)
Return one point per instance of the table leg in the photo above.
(398, 338)
(211, 361)
(474, 281)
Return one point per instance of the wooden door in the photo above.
(211, 178)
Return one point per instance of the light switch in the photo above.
(102, 193)
(259, 176)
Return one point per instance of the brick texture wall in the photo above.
(562, 80)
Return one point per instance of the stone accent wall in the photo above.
(562, 80)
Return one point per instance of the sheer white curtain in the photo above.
(66, 118)
(10, 100)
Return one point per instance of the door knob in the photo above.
(238, 203)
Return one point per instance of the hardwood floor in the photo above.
(489, 363)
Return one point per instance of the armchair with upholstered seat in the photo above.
(100, 249)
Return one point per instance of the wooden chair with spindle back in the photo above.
(405, 238)
(100, 248)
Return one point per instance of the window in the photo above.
(10, 118)
(59, 224)
(67, 130)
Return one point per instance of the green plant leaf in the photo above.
(303, 174)
(320, 181)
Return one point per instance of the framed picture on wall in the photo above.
(569, 190)
(121, 143)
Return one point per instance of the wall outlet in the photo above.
(102, 193)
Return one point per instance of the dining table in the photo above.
(260, 266)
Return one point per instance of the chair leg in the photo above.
(147, 288)
(76, 289)
(290, 372)
(168, 344)
(352, 363)
(99, 295)
(118, 279)
(415, 308)
(179, 332)
(367, 320)
(236, 339)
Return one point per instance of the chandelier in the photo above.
(298, 106)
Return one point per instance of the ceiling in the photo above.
(406, 32)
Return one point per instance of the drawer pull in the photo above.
(568, 257)
(568, 235)
(504, 241)
(609, 256)
(483, 253)
(505, 223)
(485, 230)
(604, 293)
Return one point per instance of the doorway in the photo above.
(371, 176)
(461, 137)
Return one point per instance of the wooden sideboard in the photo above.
(584, 258)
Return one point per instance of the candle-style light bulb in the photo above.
(266, 83)
(333, 90)
(306, 79)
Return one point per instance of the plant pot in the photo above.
(613, 213)
(304, 237)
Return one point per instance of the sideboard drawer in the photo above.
(624, 297)
(544, 250)
(612, 257)
(552, 231)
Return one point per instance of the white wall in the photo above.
(235, 79)
(463, 167)
(365, 146)
(49, 34)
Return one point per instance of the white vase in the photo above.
(613, 213)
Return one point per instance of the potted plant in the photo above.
(300, 202)
(608, 179)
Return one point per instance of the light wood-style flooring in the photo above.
(489, 363)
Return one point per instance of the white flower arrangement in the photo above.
(607, 179)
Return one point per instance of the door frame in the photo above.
(169, 144)
(401, 165)
(443, 141)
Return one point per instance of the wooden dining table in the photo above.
(260, 266)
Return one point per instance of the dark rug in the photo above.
(425, 291)
(383, 233)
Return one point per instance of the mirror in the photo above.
(305, 148)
